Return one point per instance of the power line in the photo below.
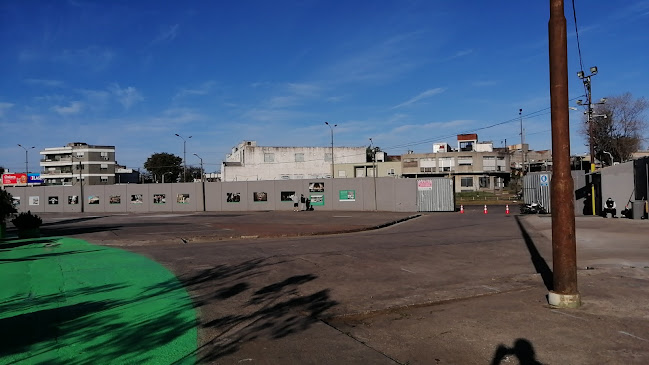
(581, 63)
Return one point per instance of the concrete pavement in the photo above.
(443, 288)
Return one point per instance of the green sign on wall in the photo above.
(347, 195)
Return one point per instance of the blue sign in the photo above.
(34, 179)
(545, 179)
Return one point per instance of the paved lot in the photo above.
(443, 288)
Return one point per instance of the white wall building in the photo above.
(247, 162)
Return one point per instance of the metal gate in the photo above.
(536, 188)
(435, 195)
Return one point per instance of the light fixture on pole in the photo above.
(373, 150)
(26, 158)
(332, 147)
(589, 112)
(184, 155)
(520, 116)
(202, 179)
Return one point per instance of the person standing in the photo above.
(303, 201)
(296, 202)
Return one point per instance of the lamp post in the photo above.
(520, 116)
(589, 113)
(374, 171)
(26, 158)
(184, 155)
(332, 147)
(202, 179)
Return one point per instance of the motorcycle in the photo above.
(534, 208)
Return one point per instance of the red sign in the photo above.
(425, 185)
(14, 179)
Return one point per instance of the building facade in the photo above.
(78, 161)
(249, 162)
(474, 166)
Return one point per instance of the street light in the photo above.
(587, 84)
(184, 155)
(26, 159)
(332, 147)
(374, 170)
(202, 179)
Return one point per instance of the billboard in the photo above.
(34, 178)
(14, 179)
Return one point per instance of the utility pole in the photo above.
(81, 185)
(332, 147)
(202, 179)
(520, 117)
(184, 155)
(589, 113)
(564, 247)
(374, 149)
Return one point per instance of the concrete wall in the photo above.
(358, 195)
(618, 183)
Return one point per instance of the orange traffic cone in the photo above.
(507, 209)
(485, 209)
(461, 209)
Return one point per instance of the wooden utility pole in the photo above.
(564, 247)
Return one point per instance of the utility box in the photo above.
(637, 209)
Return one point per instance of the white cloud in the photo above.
(93, 57)
(166, 35)
(202, 89)
(74, 108)
(127, 96)
(43, 82)
(423, 95)
(4, 107)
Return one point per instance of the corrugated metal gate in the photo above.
(536, 188)
(435, 195)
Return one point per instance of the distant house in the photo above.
(474, 165)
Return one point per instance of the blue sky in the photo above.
(405, 73)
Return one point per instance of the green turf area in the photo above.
(66, 301)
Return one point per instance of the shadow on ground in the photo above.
(540, 265)
(272, 311)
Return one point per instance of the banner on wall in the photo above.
(425, 185)
(14, 179)
(347, 195)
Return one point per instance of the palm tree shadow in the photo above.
(538, 261)
(523, 350)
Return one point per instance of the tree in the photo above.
(166, 164)
(369, 153)
(618, 126)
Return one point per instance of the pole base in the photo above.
(564, 300)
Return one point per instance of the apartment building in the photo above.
(78, 161)
(475, 166)
(249, 162)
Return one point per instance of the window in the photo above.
(484, 181)
(269, 157)
(327, 157)
(104, 179)
(464, 160)
(489, 163)
(79, 154)
(426, 169)
(104, 166)
(342, 173)
(466, 182)
(390, 172)
(299, 157)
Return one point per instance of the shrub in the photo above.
(6, 205)
(27, 221)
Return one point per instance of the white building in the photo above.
(247, 161)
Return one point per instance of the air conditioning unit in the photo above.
(105, 158)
